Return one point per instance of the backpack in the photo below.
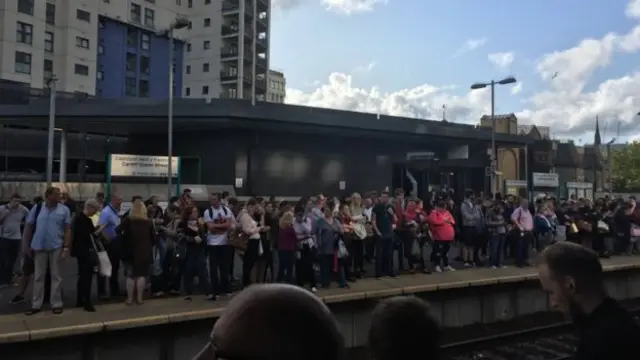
(224, 210)
(35, 218)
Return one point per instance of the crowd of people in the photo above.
(284, 322)
(314, 242)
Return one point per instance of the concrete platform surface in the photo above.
(111, 317)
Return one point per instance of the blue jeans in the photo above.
(286, 259)
(384, 256)
(522, 248)
(496, 249)
(326, 270)
(195, 265)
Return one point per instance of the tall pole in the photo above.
(493, 140)
(170, 116)
(51, 130)
(609, 180)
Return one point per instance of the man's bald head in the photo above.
(278, 321)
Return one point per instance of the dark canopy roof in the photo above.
(143, 116)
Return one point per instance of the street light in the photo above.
(178, 23)
(492, 84)
(52, 128)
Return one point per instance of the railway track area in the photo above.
(549, 342)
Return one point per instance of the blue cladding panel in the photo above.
(112, 63)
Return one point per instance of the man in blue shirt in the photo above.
(110, 220)
(49, 244)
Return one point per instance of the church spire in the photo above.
(597, 140)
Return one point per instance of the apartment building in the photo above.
(276, 87)
(112, 48)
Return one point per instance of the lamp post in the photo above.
(178, 23)
(492, 84)
(51, 129)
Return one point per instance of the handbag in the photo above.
(104, 264)
(156, 266)
(416, 252)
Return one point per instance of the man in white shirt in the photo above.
(219, 220)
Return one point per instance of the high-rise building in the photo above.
(276, 87)
(111, 48)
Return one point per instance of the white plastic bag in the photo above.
(342, 250)
(104, 264)
(415, 249)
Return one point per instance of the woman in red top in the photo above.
(441, 225)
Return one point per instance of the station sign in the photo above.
(142, 165)
(546, 179)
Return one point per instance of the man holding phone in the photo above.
(12, 216)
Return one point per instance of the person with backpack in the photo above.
(48, 244)
(218, 221)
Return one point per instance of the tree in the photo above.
(625, 168)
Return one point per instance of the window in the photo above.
(24, 33)
(143, 88)
(132, 37)
(207, 22)
(190, 3)
(206, 45)
(23, 63)
(149, 17)
(144, 65)
(187, 91)
(48, 69)
(205, 90)
(131, 62)
(188, 47)
(51, 14)
(99, 75)
(100, 49)
(205, 67)
(136, 13)
(25, 6)
(83, 15)
(100, 24)
(145, 42)
(130, 86)
(81, 69)
(82, 42)
(188, 69)
(48, 41)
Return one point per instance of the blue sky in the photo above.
(408, 58)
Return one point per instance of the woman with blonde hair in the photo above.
(359, 229)
(138, 237)
(287, 247)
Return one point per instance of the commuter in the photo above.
(496, 225)
(382, 218)
(67, 201)
(573, 277)
(83, 249)
(191, 233)
(275, 321)
(11, 217)
(403, 327)
(523, 221)
(270, 240)
(48, 244)
(219, 220)
(307, 249)
(441, 224)
(136, 248)
(401, 240)
(328, 235)
(471, 222)
(110, 222)
(287, 248)
(260, 266)
(252, 230)
(357, 210)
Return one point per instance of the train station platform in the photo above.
(463, 297)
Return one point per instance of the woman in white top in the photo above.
(251, 229)
(358, 221)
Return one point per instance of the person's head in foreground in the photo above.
(572, 276)
(403, 327)
(275, 321)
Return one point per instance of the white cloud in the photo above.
(562, 104)
(348, 7)
(516, 89)
(471, 45)
(365, 68)
(501, 59)
(633, 9)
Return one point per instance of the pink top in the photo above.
(523, 217)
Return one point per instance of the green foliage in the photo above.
(625, 168)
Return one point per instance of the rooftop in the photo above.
(144, 116)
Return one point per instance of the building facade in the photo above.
(277, 87)
(109, 48)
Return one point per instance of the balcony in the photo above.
(261, 62)
(263, 22)
(230, 6)
(229, 74)
(230, 29)
(229, 52)
(261, 84)
(263, 5)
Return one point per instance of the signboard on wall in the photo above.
(545, 180)
(143, 165)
